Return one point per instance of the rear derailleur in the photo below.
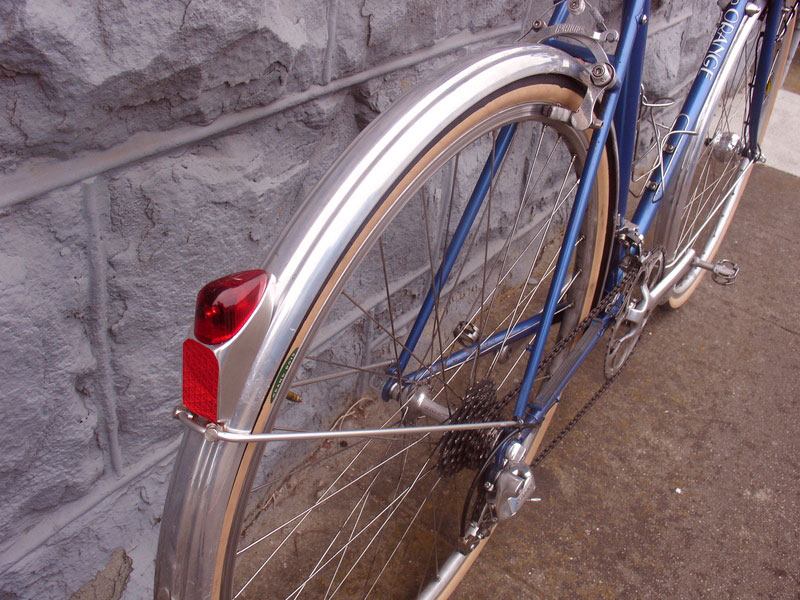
(503, 494)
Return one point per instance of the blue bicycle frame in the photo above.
(619, 108)
(622, 104)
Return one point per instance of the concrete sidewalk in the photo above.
(684, 481)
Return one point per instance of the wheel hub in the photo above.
(725, 145)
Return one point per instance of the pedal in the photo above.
(723, 272)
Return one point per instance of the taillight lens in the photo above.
(200, 380)
(224, 305)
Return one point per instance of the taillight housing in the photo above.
(224, 305)
(214, 373)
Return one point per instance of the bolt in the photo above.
(612, 36)
(750, 9)
(669, 148)
(515, 451)
(537, 25)
(643, 19)
(576, 7)
(394, 391)
(602, 74)
(488, 486)
(504, 354)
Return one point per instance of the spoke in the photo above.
(727, 176)
(315, 463)
(525, 297)
(437, 325)
(375, 555)
(372, 369)
(374, 320)
(325, 497)
(530, 341)
(711, 215)
(528, 298)
(402, 537)
(523, 202)
(537, 254)
(389, 302)
(450, 287)
(359, 505)
(483, 316)
(400, 499)
(540, 237)
(303, 515)
(391, 506)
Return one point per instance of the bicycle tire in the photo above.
(458, 138)
(714, 176)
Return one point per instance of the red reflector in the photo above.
(200, 380)
(224, 305)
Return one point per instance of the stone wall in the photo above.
(146, 148)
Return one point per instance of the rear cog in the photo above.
(471, 448)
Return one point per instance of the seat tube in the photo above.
(627, 114)
(637, 14)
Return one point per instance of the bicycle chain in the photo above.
(470, 449)
(632, 270)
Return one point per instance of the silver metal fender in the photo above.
(301, 263)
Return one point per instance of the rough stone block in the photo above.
(49, 400)
(88, 75)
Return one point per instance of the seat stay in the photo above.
(479, 193)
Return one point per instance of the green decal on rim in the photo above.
(281, 375)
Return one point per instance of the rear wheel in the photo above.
(380, 516)
(715, 172)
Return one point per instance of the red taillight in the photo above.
(200, 380)
(224, 305)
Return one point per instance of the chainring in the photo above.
(626, 331)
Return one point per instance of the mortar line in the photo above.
(33, 180)
(660, 26)
(327, 61)
(98, 301)
(15, 550)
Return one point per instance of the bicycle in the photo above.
(381, 390)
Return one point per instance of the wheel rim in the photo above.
(359, 305)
